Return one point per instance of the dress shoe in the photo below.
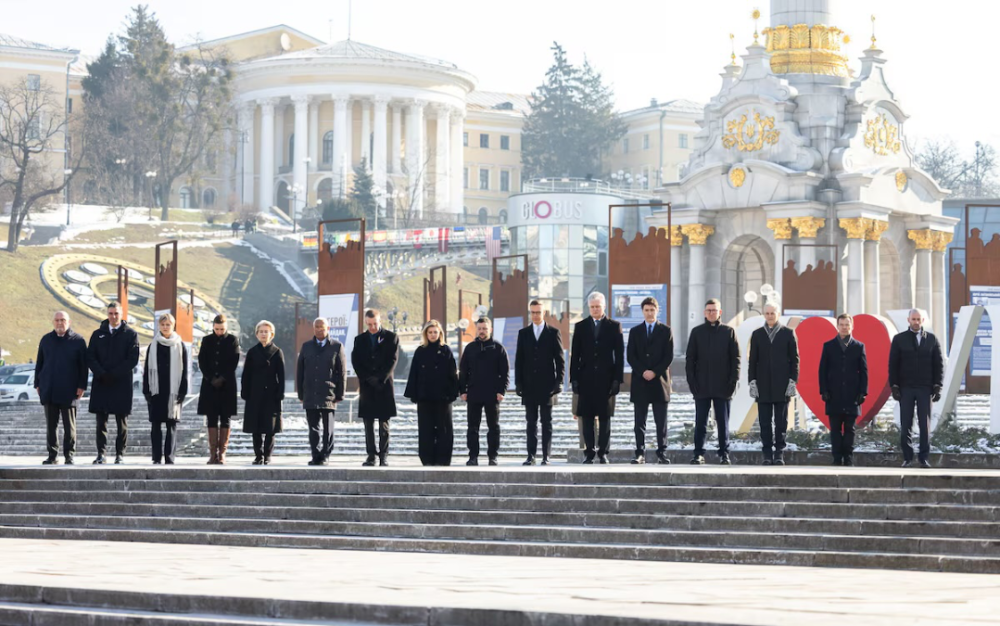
(267, 460)
(662, 460)
(545, 460)
(639, 460)
(314, 462)
(69, 461)
(603, 460)
(588, 461)
(724, 460)
(925, 463)
(530, 461)
(848, 461)
(698, 460)
(383, 463)
(368, 463)
(258, 461)
(493, 462)
(837, 462)
(779, 461)
(472, 462)
(100, 460)
(155, 462)
(907, 463)
(767, 462)
(119, 460)
(51, 461)
(169, 462)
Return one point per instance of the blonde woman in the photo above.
(433, 385)
(165, 384)
(263, 388)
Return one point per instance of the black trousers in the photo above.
(320, 433)
(773, 419)
(53, 415)
(263, 445)
(701, 408)
(660, 417)
(842, 435)
(493, 428)
(921, 396)
(435, 433)
(163, 449)
(383, 437)
(218, 421)
(602, 424)
(531, 413)
(121, 421)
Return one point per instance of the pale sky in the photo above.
(938, 53)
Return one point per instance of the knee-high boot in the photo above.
(223, 446)
(213, 443)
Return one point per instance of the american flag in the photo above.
(493, 243)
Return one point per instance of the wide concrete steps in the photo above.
(934, 521)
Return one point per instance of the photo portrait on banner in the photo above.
(626, 306)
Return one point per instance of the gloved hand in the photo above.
(149, 398)
(753, 390)
(861, 399)
(180, 400)
(518, 391)
(558, 389)
(790, 391)
(936, 397)
(218, 382)
(615, 387)
(576, 386)
(897, 395)
(825, 397)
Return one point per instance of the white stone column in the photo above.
(442, 160)
(676, 286)
(266, 199)
(246, 152)
(924, 240)
(457, 154)
(856, 229)
(339, 165)
(415, 157)
(873, 286)
(379, 141)
(939, 311)
(807, 228)
(349, 137)
(300, 173)
(697, 235)
(366, 132)
(227, 173)
(314, 137)
(395, 164)
(279, 137)
(782, 228)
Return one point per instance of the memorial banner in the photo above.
(626, 306)
(341, 313)
(982, 345)
(505, 331)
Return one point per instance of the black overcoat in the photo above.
(159, 411)
(539, 365)
(112, 358)
(433, 375)
(484, 371)
(61, 368)
(713, 361)
(263, 388)
(374, 367)
(218, 357)
(650, 352)
(843, 374)
(595, 364)
(913, 366)
(321, 375)
(773, 363)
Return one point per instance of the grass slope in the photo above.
(408, 294)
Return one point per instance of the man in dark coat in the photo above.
(713, 370)
(597, 369)
(773, 374)
(218, 358)
(916, 373)
(843, 385)
(483, 376)
(112, 356)
(539, 367)
(374, 360)
(650, 353)
(320, 379)
(60, 380)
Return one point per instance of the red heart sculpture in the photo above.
(813, 332)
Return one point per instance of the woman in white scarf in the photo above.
(165, 384)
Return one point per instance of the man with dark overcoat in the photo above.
(843, 385)
(713, 371)
(539, 368)
(112, 356)
(321, 377)
(374, 360)
(773, 372)
(650, 353)
(597, 369)
(483, 376)
(61, 380)
(916, 373)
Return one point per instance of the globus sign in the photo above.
(556, 210)
(538, 209)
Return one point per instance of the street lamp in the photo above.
(69, 199)
(750, 298)
(462, 325)
(149, 177)
(622, 178)
(294, 192)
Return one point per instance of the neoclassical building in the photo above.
(803, 160)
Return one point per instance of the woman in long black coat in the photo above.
(433, 385)
(165, 385)
(263, 388)
(218, 359)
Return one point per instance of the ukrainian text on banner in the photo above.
(505, 331)
(341, 312)
(626, 306)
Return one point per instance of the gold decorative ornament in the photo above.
(901, 180)
(736, 176)
(750, 135)
(941, 240)
(875, 230)
(808, 226)
(782, 227)
(882, 136)
(847, 39)
(873, 33)
(856, 227)
(924, 239)
(732, 44)
(756, 16)
(697, 234)
(676, 236)
(804, 49)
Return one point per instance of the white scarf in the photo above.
(176, 354)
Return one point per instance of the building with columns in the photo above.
(801, 158)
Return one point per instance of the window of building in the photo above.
(484, 179)
(504, 142)
(34, 128)
(465, 139)
(484, 216)
(34, 82)
(465, 178)
(484, 140)
(645, 141)
(503, 216)
(682, 140)
(625, 145)
(328, 147)
(208, 198)
(504, 180)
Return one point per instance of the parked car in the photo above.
(8, 370)
(19, 387)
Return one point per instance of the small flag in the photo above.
(493, 243)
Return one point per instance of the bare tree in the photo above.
(976, 178)
(32, 123)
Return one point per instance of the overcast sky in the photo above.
(938, 53)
